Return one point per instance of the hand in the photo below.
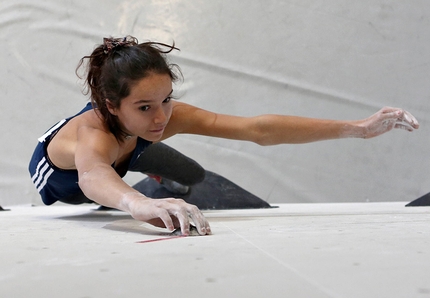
(169, 213)
(385, 120)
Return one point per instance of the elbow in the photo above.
(85, 182)
(261, 131)
(263, 141)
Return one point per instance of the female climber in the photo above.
(84, 157)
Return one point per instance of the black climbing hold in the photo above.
(213, 193)
(422, 201)
(1, 209)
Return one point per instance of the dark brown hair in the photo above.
(116, 65)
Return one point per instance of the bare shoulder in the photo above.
(186, 118)
(85, 132)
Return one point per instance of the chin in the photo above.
(152, 138)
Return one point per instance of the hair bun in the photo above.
(109, 44)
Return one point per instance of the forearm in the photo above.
(105, 187)
(277, 129)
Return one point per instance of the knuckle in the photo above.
(181, 212)
(174, 200)
(194, 210)
(162, 213)
(159, 203)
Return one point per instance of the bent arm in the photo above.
(95, 152)
(283, 129)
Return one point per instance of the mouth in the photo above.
(158, 130)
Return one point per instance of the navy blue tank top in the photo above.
(54, 183)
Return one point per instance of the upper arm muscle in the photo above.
(94, 147)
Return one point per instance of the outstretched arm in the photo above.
(281, 129)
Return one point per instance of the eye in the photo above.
(168, 99)
(144, 108)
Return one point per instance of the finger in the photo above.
(391, 115)
(385, 110)
(184, 221)
(208, 228)
(402, 115)
(410, 119)
(166, 219)
(203, 227)
(200, 221)
(402, 125)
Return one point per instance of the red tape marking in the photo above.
(160, 239)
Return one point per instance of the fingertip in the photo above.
(185, 231)
(168, 223)
(207, 230)
(202, 231)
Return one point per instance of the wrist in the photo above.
(353, 129)
(128, 200)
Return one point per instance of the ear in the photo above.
(111, 108)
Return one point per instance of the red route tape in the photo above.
(161, 239)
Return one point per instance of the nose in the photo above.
(160, 116)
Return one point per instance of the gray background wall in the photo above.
(327, 59)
